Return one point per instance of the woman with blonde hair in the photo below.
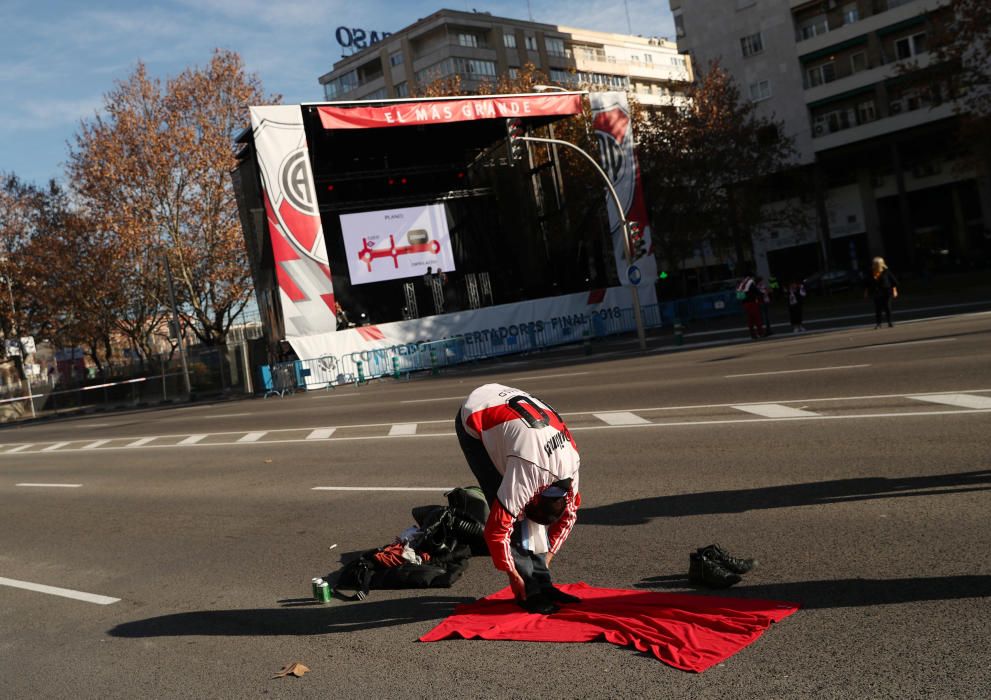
(883, 285)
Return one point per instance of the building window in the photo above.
(402, 89)
(396, 58)
(509, 40)
(679, 25)
(514, 72)
(761, 90)
(341, 85)
(555, 47)
(858, 62)
(375, 95)
(752, 44)
(866, 112)
(468, 39)
(826, 73)
(813, 26)
(474, 68)
(559, 75)
(530, 42)
(851, 13)
(648, 58)
(910, 46)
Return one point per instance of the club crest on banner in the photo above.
(297, 185)
(612, 129)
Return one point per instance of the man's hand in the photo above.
(516, 583)
(547, 559)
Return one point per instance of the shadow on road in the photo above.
(642, 510)
(851, 592)
(294, 619)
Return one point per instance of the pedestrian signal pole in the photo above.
(627, 231)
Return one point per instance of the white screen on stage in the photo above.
(396, 243)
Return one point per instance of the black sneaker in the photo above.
(719, 555)
(703, 571)
(540, 604)
(556, 595)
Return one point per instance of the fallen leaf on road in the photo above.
(268, 461)
(294, 669)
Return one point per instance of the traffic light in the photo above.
(638, 246)
(663, 275)
(515, 131)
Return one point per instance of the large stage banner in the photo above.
(396, 243)
(447, 111)
(568, 315)
(614, 131)
(302, 270)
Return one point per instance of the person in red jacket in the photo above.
(526, 463)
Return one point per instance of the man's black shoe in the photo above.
(702, 571)
(556, 595)
(540, 604)
(719, 555)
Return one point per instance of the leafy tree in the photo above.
(707, 166)
(153, 170)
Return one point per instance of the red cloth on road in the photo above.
(689, 632)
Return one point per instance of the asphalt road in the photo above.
(854, 464)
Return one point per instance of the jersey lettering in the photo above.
(532, 414)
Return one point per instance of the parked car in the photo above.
(832, 281)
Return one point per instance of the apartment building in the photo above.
(851, 81)
(480, 47)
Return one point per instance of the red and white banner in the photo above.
(614, 130)
(443, 111)
(301, 266)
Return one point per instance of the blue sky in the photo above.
(59, 57)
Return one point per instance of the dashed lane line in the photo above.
(459, 397)
(192, 439)
(254, 437)
(620, 418)
(52, 448)
(140, 441)
(773, 410)
(962, 400)
(21, 448)
(402, 429)
(321, 433)
(96, 443)
(382, 488)
(63, 592)
(52, 486)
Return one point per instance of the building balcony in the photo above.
(861, 79)
(846, 32)
(899, 121)
(633, 69)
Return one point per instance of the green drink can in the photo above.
(316, 587)
(324, 596)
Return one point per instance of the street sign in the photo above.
(634, 275)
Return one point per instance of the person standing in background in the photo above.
(796, 300)
(884, 287)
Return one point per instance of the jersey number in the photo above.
(532, 414)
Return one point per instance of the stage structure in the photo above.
(382, 208)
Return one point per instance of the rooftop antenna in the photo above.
(529, 10)
(629, 25)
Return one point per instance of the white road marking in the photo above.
(773, 410)
(54, 486)
(963, 400)
(253, 437)
(140, 441)
(52, 448)
(321, 434)
(382, 488)
(620, 418)
(63, 592)
(18, 449)
(331, 396)
(192, 440)
(907, 342)
(794, 371)
(460, 397)
(96, 443)
(548, 376)
(402, 429)
(227, 415)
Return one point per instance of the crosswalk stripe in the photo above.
(18, 449)
(55, 446)
(621, 418)
(96, 443)
(140, 441)
(962, 400)
(773, 410)
(402, 429)
(321, 434)
(192, 440)
(252, 437)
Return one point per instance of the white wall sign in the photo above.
(396, 243)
